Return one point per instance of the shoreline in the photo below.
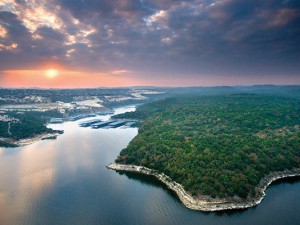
(29, 141)
(206, 203)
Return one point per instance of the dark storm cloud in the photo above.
(16, 34)
(172, 36)
(105, 10)
(16, 31)
(232, 23)
(50, 34)
(231, 34)
(27, 52)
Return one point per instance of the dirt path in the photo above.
(8, 128)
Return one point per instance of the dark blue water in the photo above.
(65, 181)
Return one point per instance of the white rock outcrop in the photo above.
(207, 203)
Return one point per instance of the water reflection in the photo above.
(24, 178)
(30, 174)
(150, 181)
(65, 181)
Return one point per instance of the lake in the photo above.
(65, 181)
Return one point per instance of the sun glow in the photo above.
(51, 73)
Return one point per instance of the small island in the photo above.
(216, 152)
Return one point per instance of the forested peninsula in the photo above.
(25, 128)
(221, 150)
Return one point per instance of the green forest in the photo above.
(220, 146)
(30, 124)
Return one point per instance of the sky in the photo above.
(112, 43)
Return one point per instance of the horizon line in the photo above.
(151, 86)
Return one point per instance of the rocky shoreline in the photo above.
(28, 141)
(206, 203)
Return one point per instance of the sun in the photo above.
(51, 73)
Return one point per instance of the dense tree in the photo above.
(30, 124)
(217, 145)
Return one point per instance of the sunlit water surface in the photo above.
(65, 181)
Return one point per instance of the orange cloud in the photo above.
(64, 79)
(118, 72)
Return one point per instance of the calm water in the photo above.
(65, 181)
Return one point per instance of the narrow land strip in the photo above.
(28, 141)
(206, 203)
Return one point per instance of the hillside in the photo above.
(217, 146)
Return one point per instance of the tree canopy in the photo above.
(220, 146)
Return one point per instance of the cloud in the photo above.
(119, 72)
(160, 36)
